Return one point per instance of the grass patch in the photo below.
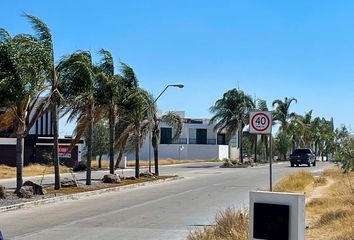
(320, 181)
(84, 188)
(30, 170)
(332, 214)
(230, 224)
(297, 182)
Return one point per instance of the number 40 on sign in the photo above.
(261, 122)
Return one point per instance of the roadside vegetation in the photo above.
(123, 182)
(329, 208)
(331, 213)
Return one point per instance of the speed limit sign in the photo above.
(261, 122)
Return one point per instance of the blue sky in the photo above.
(270, 49)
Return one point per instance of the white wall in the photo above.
(188, 152)
(8, 141)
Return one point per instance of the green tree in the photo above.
(282, 144)
(172, 119)
(44, 36)
(100, 140)
(346, 155)
(133, 104)
(107, 97)
(138, 121)
(282, 112)
(22, 81)
(231, 113)
(77, 76)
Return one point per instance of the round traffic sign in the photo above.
(260, 122)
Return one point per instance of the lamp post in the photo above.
(150, 119)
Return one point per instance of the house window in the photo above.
(166, 135)
(221, 139)
(201, 136)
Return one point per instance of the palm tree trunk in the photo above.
(156, 160)
(255, 148)
(111, 139)
(89, 144)
(54, 115)
(119, 158)
(137, 149)
(240, 144)
(100, 161)
(19, 162)
(266, 149)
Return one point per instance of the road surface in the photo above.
(161, 211)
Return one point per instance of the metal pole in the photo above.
(150, 136)
(270, 164)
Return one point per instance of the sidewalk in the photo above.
(10, 183)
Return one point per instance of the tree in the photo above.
(100, 140)
(282, 112)
(346, 155)
(77, 81)
(172, 119)
(138, 122)
(282, 144)
(231, 113)
(133, 112)
(22, 82)
(107, 97)
(44, 36)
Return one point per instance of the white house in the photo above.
(198, 140)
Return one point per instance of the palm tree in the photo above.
(107, 97)
(282, 144)
(138, 122)
(172, 119)
(231, 113)
(22, 82)
(44, 36)
(126, 91)
(282, 113)
(133, 114)
(295, 132)
(305, 127)
(77, 76)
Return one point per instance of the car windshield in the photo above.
(302, 151)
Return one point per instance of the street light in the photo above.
(150, 118)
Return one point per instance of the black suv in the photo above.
(302, 156)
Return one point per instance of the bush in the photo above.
(229, 224)
(80, 167)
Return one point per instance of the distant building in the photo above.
(38, 146)
(198, 140)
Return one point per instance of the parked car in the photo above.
(302, 156)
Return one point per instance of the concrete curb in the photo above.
(77, 196)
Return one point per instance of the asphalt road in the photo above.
(162, 211)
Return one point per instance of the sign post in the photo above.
(261, 123)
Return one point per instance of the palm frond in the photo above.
(106, 64)
(4, 35)
(42, 31)
(129, 78)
